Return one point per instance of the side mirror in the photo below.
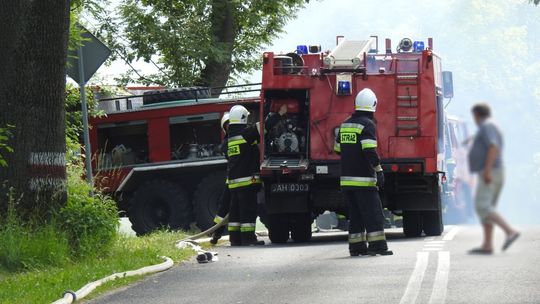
(448, 84)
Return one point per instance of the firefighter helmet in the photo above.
(365, 101)
(224, 120)
(238, 115)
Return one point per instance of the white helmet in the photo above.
(238, 115)
(365, 101)
(224, 120)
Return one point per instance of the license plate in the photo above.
(289, 187)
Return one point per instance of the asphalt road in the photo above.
(422, 270)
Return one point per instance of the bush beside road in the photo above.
(47, 283)
(42, 258)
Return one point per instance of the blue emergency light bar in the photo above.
(344, 88)
(301, 49)
(418, 46)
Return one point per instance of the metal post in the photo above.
(84, 108)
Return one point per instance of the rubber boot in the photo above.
(235, 238)
(250, 239)
(379, 248)
(217, 235)
(356, 249)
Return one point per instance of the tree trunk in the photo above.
(33, 51)
(217, 70)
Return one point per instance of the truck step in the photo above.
(407, 97)
(408, 127)
(407, 118)
(407, 76)
(406, 79)
(407, 104)
(280, 163)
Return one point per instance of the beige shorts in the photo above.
(487, 195)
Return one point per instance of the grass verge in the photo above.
(46, 284)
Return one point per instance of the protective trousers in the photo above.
(223, 209)
(243, 215)
(366, 221)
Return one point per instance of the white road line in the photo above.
(429, 239)
(438, 295)
(415, 281)
(433, 249)
(436, 242)
(451, 234)
(434, 245)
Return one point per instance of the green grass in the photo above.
(46, 284)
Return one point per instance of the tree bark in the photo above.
(217, 70)
(33, 52)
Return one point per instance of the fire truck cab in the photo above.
(300, 169)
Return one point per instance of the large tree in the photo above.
(33, 51)
(197, 41)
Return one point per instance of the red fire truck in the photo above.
(300, 169)
(158, 154)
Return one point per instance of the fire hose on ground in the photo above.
(72, 296)
(209, 230)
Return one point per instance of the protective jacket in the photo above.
(243, 155)
(357, 144)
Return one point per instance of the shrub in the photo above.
(25, 246)
(89, 221)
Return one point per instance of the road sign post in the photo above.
(90, 55)
(84, 109)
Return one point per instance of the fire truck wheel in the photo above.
(207, 198)
(159, 204)
(432, 222)
(301, 227)
(412, 223)
(278, 228)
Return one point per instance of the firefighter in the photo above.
(243, 177)
(225, 198)
(361, 177)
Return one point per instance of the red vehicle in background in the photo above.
(158, 154)
(300, 169)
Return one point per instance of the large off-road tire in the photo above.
(278, 228)
(412, 223)
(159, 204)
(207, 198)
(300, 224)
(186, 93)
(432, 222)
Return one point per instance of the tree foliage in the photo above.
(196, 41)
